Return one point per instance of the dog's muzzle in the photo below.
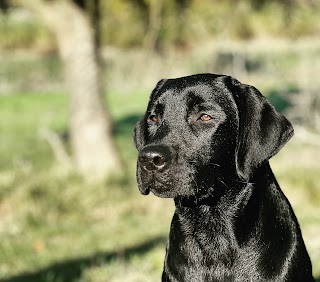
(153, 162)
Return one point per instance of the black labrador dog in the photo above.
(205, 141)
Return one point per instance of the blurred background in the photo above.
(75, 77)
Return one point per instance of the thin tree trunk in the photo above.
(154, 24)
(90, 125)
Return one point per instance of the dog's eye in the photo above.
(205, 117)
(153, 118)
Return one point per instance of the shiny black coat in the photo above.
(205, 141)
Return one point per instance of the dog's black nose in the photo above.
(153, 158)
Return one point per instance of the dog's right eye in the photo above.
(153, 118)
(205, 117)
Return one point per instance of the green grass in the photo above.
(56, 226)
(23, 118)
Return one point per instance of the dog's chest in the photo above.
(191, 261)
(200, 251)
(195, 260)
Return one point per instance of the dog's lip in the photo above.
(155, 186)
(145, 191)
(163, 194)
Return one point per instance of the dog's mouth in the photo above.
(176, 179)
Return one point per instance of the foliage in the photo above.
(184, 24)
(127, 23)
(21, 30)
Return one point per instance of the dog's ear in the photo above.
(262, 130)
(140, 130)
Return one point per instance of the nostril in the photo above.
(153, 158)
(159, 161)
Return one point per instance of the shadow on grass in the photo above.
(125, 125)
(70, 270)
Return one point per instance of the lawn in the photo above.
(57, 227)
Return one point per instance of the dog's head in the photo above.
(201, 128)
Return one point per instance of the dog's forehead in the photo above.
(191, 95)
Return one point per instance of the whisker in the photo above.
(239, 181)
(214, 164)
(195, 162)
(197, 189)
(223, 183)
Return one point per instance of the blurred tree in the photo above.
(90, 125)
(4, 5)
(151, 39)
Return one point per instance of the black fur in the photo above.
(232, 222)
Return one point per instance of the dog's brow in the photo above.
(159, 108)
(194, 99)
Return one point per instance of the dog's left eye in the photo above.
(205, 117)
(153, 118)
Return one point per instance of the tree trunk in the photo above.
(154, 24)
(90, 126)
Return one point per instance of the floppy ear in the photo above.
(262, 130)
(140, 130)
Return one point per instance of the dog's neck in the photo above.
(226, 189)
(226, 205)
(196, 201)
(218, 191)
(211, 224)
(206, 224)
